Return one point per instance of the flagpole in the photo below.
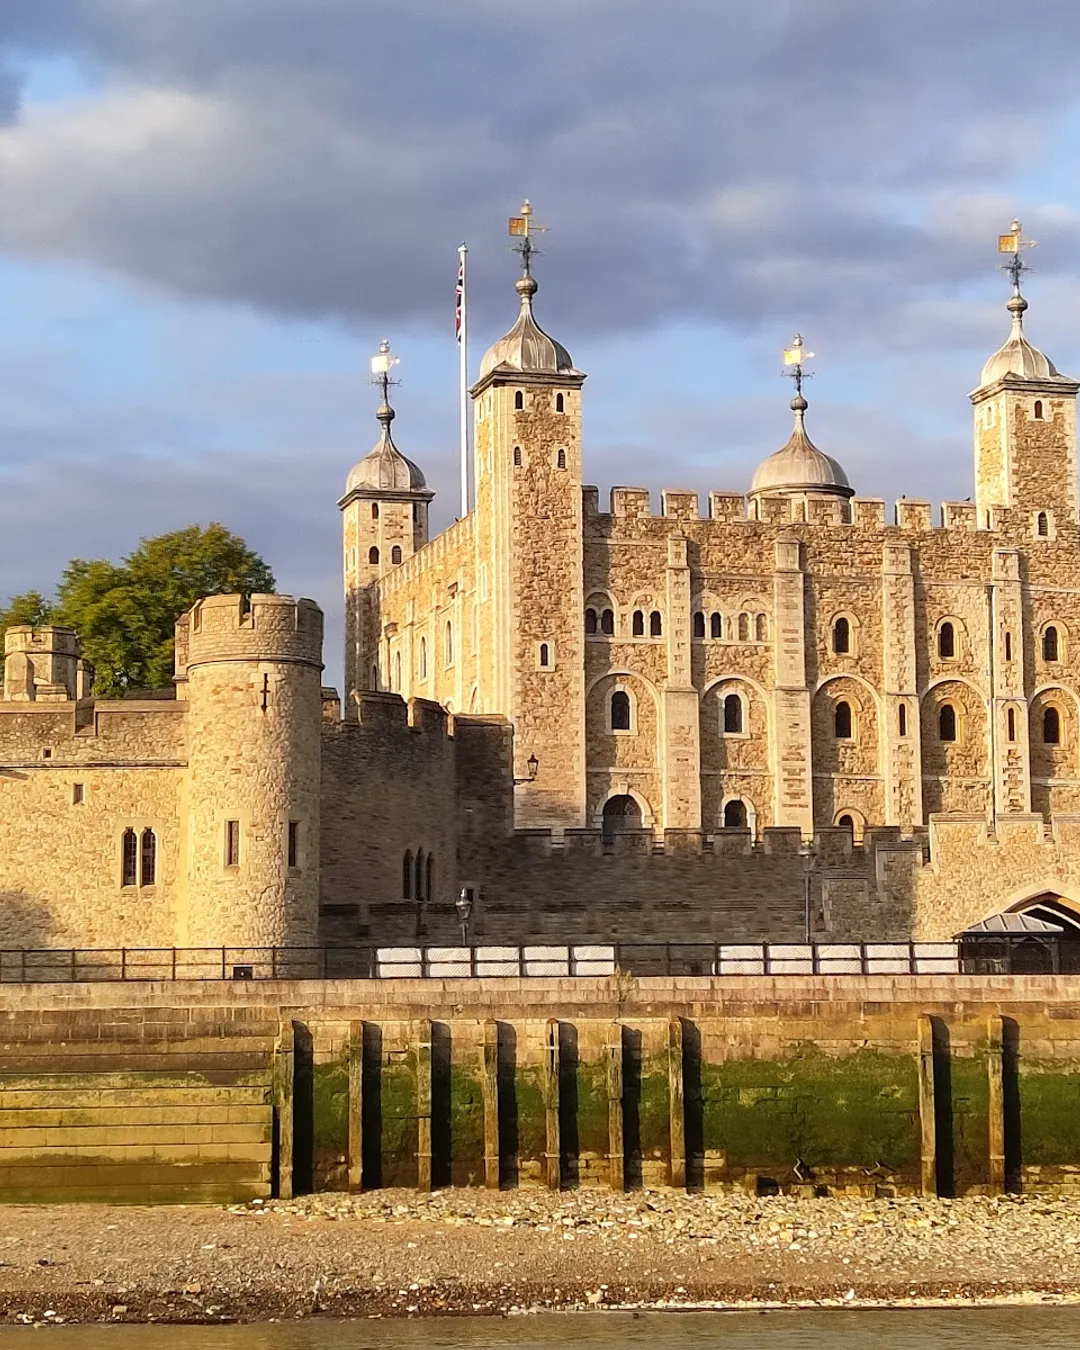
(463, 382)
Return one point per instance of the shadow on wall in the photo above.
(25, 921)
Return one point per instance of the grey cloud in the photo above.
(731, 163)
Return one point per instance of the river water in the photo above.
(927, 1329)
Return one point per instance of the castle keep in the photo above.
(795, 712)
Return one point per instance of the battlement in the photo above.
(224, 628)
(910, 515)
(451, 543)
(43, 665)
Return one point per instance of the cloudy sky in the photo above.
(212, 210)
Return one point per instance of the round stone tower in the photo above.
(251, 674)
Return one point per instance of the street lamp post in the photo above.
(464, 906)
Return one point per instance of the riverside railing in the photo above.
(71, 965)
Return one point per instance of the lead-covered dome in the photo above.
(527, 348)
(1017, 357)
(799, 466)
(386, 469)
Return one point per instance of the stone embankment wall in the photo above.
(858, 1085)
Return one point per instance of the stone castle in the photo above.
(795, 716)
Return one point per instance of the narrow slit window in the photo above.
(842, 721)
(716, 625)
(374, 510)
(560, 403)
(761, 628)
(947, 723)
(418, 891)
(519, 400)
(429, 877)
(1038, 410)
(620, 710)
(1008, 646)
(946, 641)
(294, 843)
(1010, 723)
(77, 793)
(449, 644)
(423, 658)
(545, 654)
(407, 876)
(129, 859)
(148, 858)
(1042, 525)
(560, 459)
(733, 715)
(1050, 644)
(232, 843)
(517, 456)
(901, 719)
(1051, 727)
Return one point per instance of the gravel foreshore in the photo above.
(394, 1253)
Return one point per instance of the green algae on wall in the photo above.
(1050, 1113)
(812, 1112)
(330, 1126)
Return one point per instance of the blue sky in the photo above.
(211, 213)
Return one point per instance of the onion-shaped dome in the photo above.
(527, 348)
(386, 469)
(800, 466)
(1017, 357)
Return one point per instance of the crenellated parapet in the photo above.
(223, 628)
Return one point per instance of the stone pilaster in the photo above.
(900, 734)
(1012, 772)
(791, 745)
(681, 746)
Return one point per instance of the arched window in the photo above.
(519, 400)
(560, 403)
(946, 641)
(374, 677)
(744, 627)
(590, 621)
(374, 510)
(607, 622)
(656, 624)
(621, 814)
(423, 658)
(406, 876)
(1051, 726)
(901, 719)
(846, 822)
(373, 556)
(1050, 643)
(1038, 410)
(947, 723)
(761, 628)
(841, 636)
(716, 625)
(517, 456)
(733, 714)
(842, 721)
(397, 672)
(620, 710)
(429, 879)
(545, 654)
(699, 624)
(1010, 723)
(449, 644)
(129, 859)
(560, 459)
(1042, 525)
(148, 858)
(637, 626)
(735, 815)
(395, 554)
(418, 884)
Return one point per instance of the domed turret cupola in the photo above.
(1025, 422)
(385, 517)
(799, 468)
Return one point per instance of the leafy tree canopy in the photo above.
(125, 614)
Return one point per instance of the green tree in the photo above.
(125, 613)
(31, 607)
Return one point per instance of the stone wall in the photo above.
(858, 1086)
